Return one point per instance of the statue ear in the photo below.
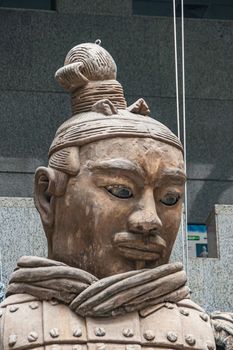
(44, 193)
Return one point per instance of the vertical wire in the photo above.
(176, 71)
(178, 119)
(1, 277)
(184, 137)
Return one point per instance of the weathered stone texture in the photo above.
(21, 232)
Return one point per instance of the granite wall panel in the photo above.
(32, 53)
(99, 7)
(208, 58)
(21, 232)
(211, 279)
(29, 121)
(16, 184)
(202, 194)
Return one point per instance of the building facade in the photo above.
(33, 45)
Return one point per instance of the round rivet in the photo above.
(34, 305)
(1, 313)
(13, 308)
(204, 317)
(100, 332)
(12, 340)
(190, 340)
(54, 332)
(77, 332)
(100, 346)
(184, 312)
(210, 345)
(149, 335)
(54, 302)
(33, 336)
(172, 337)
(128, 332)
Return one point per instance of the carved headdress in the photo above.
(98, 105)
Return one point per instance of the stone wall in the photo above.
(34, 45)
(210, 279)
(21, 232)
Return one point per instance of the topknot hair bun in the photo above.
(84, 63)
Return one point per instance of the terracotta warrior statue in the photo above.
(110, 202)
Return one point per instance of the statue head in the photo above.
(110, 199)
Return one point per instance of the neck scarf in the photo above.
(84, 294)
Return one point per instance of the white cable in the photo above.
(176, 71)
(1, 277)
(185, 234)
(178, 127)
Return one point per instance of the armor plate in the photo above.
(27, 323)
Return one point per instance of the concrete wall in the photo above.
(33, 45)
(210, 279)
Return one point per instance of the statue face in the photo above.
(122, 211)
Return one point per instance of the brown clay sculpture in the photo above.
(110, 202)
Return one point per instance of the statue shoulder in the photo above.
(222, 323)
(18, 313)
(27, 323)
(183, 324)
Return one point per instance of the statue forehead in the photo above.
(140, 150)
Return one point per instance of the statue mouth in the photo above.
(139, 247)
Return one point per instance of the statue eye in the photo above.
(120, 191)
(170, 199)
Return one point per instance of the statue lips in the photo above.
(139, 246)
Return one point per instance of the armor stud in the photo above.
(54, 302)
(76, 347)
(204, 317)
(172, 337)
(33, 336)
(13, 308)
(100, 346)
(54, 332)
(190, 340)
(184, 312)
(100, 332)
(12, 340)
(149, 335)
(128, 332)
(34, 305)
(77, 332)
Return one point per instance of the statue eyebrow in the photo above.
(118, 164)
(175, 175)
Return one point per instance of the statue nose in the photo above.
(145, 219)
